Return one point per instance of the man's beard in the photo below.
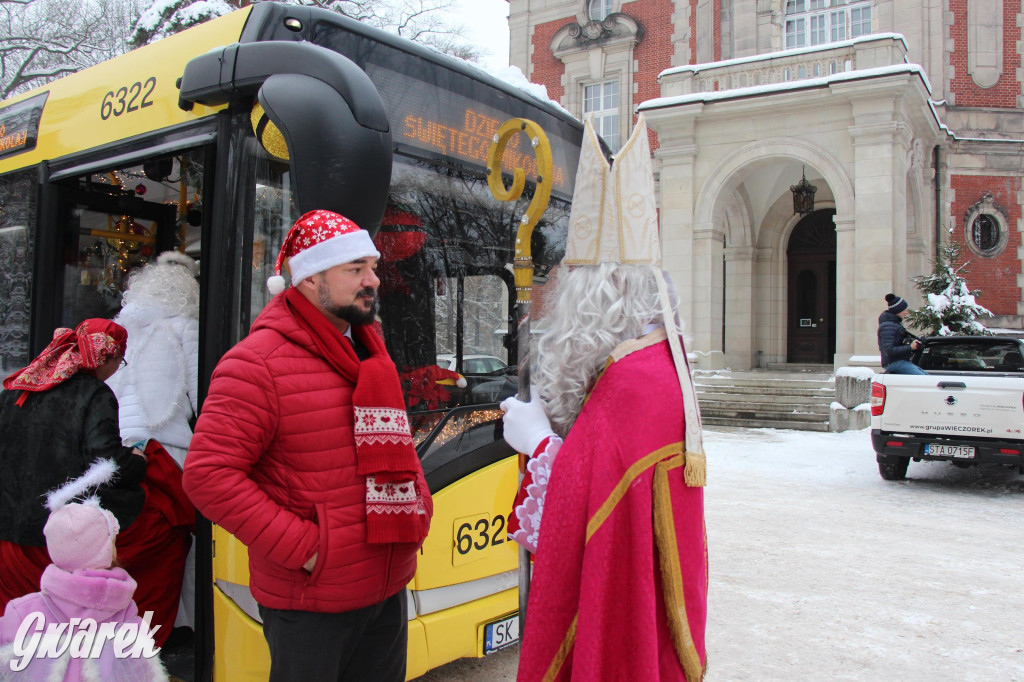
(353, 314)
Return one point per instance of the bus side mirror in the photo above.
(327, 109)
(337, 164)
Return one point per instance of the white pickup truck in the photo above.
(968, 410)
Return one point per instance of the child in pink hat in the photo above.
(83, 582)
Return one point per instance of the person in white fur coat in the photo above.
(157, 388)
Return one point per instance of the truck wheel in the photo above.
(893, 468)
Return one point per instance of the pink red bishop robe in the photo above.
(619, 588)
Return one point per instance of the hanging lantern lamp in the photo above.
(803, 195)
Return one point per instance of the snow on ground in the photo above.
(820, 570)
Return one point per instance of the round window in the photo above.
(986, 234)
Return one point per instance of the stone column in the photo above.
(881, 145)
(675, 161)
(769, 304)
(706, 286)
(739, 307)
(846, 296)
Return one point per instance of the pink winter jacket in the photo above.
(273, 461)
(104, 595)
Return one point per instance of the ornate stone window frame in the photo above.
(985, 41)
(986, 206)
(598, 51)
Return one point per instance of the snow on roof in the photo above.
(812, 82)
(945, 128)
(767, 56)
(773, 88)
(515, 77)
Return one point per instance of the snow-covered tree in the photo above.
(42, 40)
(423, 21)
(167, 17)
(950, 308)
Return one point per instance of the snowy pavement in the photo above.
(820, 570)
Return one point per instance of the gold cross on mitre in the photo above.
(613, 217)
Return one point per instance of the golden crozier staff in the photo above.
(522, 269)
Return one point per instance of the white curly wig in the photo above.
(169, 283)
(596, 307)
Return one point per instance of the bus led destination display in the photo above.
(439, 119)
(472, 140)
(19, 125)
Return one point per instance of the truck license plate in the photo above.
(501, 633)
(957, 451)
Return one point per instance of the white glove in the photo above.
(526, 424)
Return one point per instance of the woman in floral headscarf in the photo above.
(57, 416)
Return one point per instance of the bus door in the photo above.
(113, 221)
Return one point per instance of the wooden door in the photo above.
(812, 290)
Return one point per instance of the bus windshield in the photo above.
(446, 294)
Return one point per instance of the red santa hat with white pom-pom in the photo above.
(317, 241)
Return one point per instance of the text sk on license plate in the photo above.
(501, 633)
(958, 451)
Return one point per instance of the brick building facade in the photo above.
(907, 117)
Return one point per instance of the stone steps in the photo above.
(803, 367)
(784, 397)
(764, 424)
(765, 395)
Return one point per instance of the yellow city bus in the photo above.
(213, 142)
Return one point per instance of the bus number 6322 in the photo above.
(126, 98)
(477, 533)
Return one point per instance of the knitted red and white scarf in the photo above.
(385, 454)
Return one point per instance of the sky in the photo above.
(486, 23)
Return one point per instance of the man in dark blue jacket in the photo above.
(893, 338)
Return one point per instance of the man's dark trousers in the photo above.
(354, 646)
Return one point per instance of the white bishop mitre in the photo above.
(613, 217)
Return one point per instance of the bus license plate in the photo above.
(957, 451)
(501, 633)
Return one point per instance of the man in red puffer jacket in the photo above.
(303, 452)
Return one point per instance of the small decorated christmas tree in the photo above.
(950, 308)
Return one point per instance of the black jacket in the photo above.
(53, 438)
(893, 339)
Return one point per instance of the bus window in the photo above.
(118, 221)
(273, 215)
(17, 226)
(472, 318)
(484, 318)
(445, 287)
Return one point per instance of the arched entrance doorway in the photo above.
(811, 289)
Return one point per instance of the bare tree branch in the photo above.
(424, 21)
(41, 40)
